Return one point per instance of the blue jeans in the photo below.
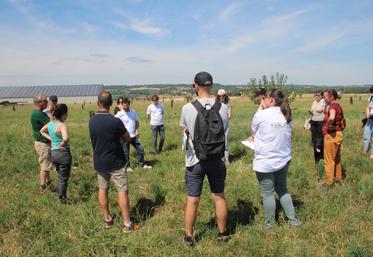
(159, 129)
(135, 142)
(276, 181)
(368, 136)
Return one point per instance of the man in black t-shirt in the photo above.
(107, 135)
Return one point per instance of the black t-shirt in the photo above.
(105, 131)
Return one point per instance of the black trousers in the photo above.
(317, 140)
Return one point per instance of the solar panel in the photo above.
(60, 91)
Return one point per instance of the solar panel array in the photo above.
(60, 91)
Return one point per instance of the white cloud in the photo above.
(145, 28)
(229, 11)
(21, 6)
(274, 27)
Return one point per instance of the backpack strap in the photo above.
(200, 107)
(216, 107)
(197, 105)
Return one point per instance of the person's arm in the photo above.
(137, 125)
(254, 127)
(125, 138)
(43, 132)
(148, 113)
(331, 115)
(368, 112)
(65, 135)
(230, 112)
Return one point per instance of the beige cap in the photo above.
(221, 92)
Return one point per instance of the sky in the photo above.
(54, 42)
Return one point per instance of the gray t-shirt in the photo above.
(188, 119)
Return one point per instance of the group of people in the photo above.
(52, 142)
(327, 125)
(205, 123)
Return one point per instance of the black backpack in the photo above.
(209, 136)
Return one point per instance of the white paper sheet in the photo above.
(249, 144)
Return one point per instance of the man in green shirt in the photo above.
(42, 145)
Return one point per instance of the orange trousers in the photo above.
(332, 157)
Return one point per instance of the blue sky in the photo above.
(325, 42)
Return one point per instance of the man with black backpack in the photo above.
(204, 121)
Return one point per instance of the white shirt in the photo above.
(272, 140)
(129, 120)
(188, 119)
(156, 114)
(370, 103)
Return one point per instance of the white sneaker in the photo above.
(129, 169)
(146, 166)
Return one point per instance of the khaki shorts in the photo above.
(119, 178)
(44, 152)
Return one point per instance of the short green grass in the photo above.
(336, 223)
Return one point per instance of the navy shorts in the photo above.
(194, 176)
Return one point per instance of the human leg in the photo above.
(154, 138)
(190, 214)
(161, 138)
(135, 141)
(267, 187)
(338, 162)
(62, 160)
(330, 152)
(216, 174)
(126, 151)
(221, 211)
(367, 136)
(103, 187)
(285, 198)
(194, 181)
(45, 162)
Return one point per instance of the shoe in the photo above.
(325, 187)
(132, 227)
(223, 237)
(338, 184)
(108, 223)
(146, 166)
(65, 201)
(296, 225)
(187, 241)
(42, 188)
(129, 169)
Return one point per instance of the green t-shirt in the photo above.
(38, 120)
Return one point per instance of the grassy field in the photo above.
(336, 223)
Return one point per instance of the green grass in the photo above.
(336, 223)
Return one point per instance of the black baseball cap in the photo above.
(203, 79)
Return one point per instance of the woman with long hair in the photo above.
(271, 130)
(224, 98)
(56, 132)
(317, 120)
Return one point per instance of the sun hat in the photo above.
(221, 92)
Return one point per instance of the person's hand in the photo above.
(60, 145)
(250, 139)
(137, 134)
